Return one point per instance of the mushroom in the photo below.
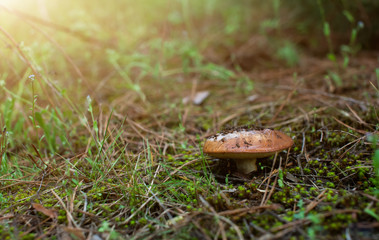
(245, 146)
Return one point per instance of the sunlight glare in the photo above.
(13, 4)
(9, 3)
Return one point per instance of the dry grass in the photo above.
(97, 142)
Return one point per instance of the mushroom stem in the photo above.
(246, 165)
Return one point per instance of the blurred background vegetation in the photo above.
(126, 49)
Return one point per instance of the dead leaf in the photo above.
(252, 98)
(48, 212)
(197, 99)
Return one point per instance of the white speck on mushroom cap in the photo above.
(238, 134)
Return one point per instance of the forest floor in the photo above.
(123, 159)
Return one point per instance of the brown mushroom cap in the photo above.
(247, 144)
